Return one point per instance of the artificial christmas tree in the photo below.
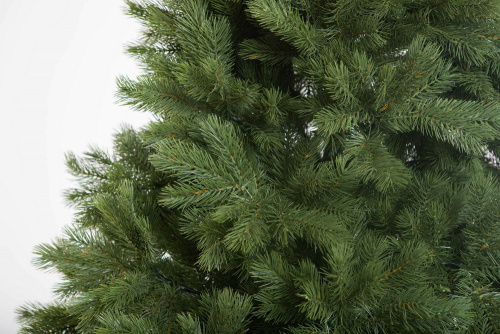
(314, 167)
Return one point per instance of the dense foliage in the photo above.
(315, 166)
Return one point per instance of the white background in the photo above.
(58, 64)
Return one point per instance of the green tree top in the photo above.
(314, 167)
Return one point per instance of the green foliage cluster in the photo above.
(315, 166)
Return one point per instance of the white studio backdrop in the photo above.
(58, 64)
